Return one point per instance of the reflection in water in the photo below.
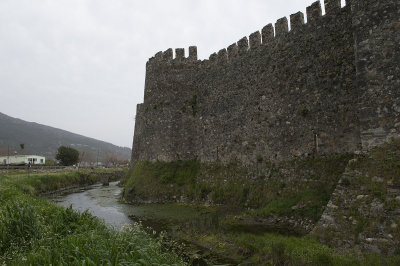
(101, 201)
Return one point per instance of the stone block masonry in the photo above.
(330, 85)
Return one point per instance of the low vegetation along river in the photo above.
(101, 201)
(104, 202)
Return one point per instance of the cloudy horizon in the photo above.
(79, 65)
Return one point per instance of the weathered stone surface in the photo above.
(377, 58)
(281, 27)
(267, 34)
(314, 11)
(179, 53)
(296, 21)
(255, 40)
(360, 219)
(328, 86)
(193, 53)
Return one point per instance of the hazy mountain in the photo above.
(44, 140)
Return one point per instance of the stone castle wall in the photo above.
(328, 86)
(376, 27)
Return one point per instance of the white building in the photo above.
(22, 160)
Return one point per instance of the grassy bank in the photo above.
(276, 249)
(46, 181)
(299, 188)
(34, 231)
(277, 204)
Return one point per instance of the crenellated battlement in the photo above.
(296, 21)
(332, 6)
(281, 27)
(314, 12)
(233, 50)
(255, 40)
(222, 55)
(168, 56)
(180, 53)
(294, 88)
(268, 35)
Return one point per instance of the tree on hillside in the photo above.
(67, 155)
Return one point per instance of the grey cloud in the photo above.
(80, 64)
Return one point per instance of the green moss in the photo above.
(308, 204)
(297, 197)
(381, 162)
(391, 204)
(155, 179)
(274, 249)
(303, 111)
(232, 184)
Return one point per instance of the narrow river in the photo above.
(101, 201)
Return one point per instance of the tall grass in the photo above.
(35, 231)
(37, 183)
(160, 179)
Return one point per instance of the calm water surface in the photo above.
(101, 201)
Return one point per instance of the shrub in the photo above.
(67, 155)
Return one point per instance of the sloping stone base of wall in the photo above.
(364, 210)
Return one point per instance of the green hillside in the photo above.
(44, 140)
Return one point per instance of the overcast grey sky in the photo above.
(79, 65)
